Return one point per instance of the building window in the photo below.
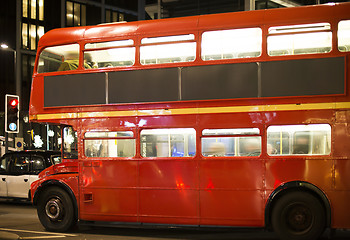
(75, 14)
(32, 23)
(111, 16)
(121, 17)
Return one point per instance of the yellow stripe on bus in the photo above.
(204, 110)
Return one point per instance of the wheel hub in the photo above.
(54, 209)
(300, 218)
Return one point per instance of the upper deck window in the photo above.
(168, 49)
(344, 36)
(230, 44)
(299, 39)
(59, 58)
(109, 54)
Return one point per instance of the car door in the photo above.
(4, 164)
(18, 177)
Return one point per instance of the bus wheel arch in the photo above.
(297, 190)
(56, 206)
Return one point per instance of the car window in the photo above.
(37, 164)
(4, 165)
(19, 164)
(56, 159)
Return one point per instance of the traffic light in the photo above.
(11, 113)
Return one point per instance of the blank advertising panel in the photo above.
(321, 76)
(152, 85)
(224, 81)
(74, 90)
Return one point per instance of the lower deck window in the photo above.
(176, 142)
(109, 144)
(231, 143)
(313, 139)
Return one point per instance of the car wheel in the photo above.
(55, 210)
(298, 216)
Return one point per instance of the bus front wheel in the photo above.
(298, 216)
(55, 210)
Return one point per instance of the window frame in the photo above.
(44, 161)
(53, 46)
(261, 43)
(131, 45)
(161, 42)
(234, 135)
(133, 137)
(292, 139)
(338, 40)
(11, 165)
(272, 31)
(170, 157)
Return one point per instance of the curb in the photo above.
(8, 236)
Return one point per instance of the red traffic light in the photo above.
(14, 102)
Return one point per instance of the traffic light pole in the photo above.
(6, 142)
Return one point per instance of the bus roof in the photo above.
(162, 27)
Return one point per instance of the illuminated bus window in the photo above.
(59, 58)
(176, 142)
(230, 44)
(313, 139)
(344, 36)
(168, 49)
(109, 144)
(299, 39)
(120, 53)
(230, 142)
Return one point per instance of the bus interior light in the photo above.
(300, 28)
(168, 39)
(236, 131)
(119, 43)
(298, 128)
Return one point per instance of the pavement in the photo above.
(8, 236)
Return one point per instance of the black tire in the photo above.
(55, 210)
(298, 216)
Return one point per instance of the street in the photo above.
(20, 219)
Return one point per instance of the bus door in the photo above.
(169, 176)
(109, 176)
(231, 176)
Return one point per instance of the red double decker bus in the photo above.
(235, 119)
